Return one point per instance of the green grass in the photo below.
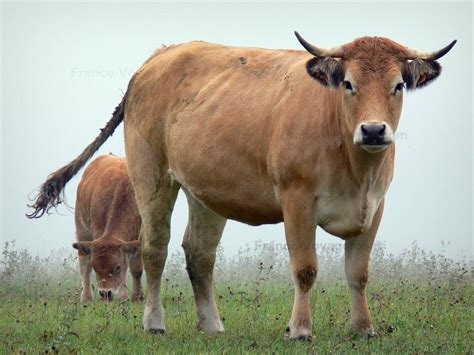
(426, 313)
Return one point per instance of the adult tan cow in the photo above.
(107, 230)
(262, 136)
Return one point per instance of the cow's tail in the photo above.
(50, 194)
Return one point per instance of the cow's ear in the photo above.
(418, 73)
(132, 247)
(326, 70)
(84, 248)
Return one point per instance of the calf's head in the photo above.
(109, 261)
(372, 72)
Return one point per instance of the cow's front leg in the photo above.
(85, 268)
(300, 226)
(357, 254)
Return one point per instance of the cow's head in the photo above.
(372, 72)
(109, 261)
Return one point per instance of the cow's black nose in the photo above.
(106, 295)
(373, 133)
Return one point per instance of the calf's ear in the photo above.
(418, 73)
(326, 70)
(132, 247)
(84, 248)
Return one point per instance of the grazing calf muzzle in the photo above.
(106, 295)
(373, 136)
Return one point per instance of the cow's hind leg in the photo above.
(203, 233)
(155, 194)
(357, 254)
(155, 235)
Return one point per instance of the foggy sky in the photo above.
(65, 67)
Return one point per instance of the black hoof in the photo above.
(305, 338)
(157, 331)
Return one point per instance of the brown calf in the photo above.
(107, 228)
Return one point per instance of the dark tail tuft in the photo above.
(51, 194)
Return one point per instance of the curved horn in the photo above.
(415, 54)
(336, 52)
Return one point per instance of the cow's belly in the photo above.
(238, 198)
(254, 212)
(346, 217)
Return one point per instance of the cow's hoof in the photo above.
(157, 331)
(153, 319)
(86, 300)
(210, 325)
(369, 333)
(86, 297)
(137, 298)
(302, 337)
(214, 329)
(365, 333)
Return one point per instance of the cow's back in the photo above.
(200, 106)
(105, 202)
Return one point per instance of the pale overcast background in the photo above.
(65, 66)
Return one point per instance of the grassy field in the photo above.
(420, 302)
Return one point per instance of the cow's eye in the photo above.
(399, 87)
(347, 85)
(117, 269)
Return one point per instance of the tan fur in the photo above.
(107, 227)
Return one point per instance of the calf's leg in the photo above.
(85, 269)
(122, 291)
(136, 269)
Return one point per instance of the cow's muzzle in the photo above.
(373, 136)
(106, 295)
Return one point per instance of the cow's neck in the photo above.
(366, 167)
